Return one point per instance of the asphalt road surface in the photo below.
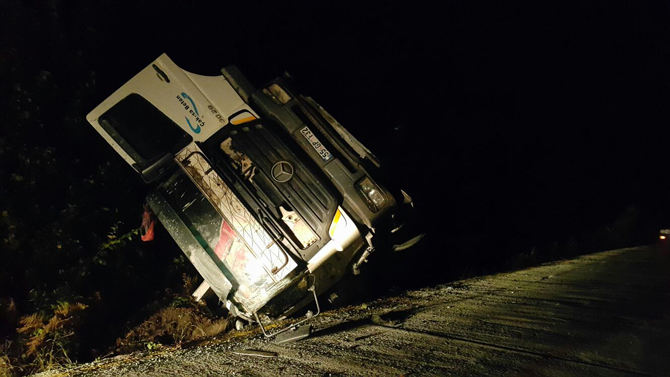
(606, 314)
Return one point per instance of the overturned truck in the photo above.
(269, 197)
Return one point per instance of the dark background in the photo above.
(525, 132)
(515, 125)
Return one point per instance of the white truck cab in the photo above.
(270, 198)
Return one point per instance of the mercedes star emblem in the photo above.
(282, 171)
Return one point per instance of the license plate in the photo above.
(316, 144)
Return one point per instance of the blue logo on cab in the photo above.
(189, 105)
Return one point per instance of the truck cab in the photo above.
(270, 198)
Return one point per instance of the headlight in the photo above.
(373, 196)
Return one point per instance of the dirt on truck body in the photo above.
(270, 198)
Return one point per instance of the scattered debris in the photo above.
(377, 320)
(299, 333)
(367, 336)
(258, 353)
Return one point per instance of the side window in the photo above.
(143, 131)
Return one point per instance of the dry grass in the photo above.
(172, 326)
(50, 339)
(5, 366)
(184, 321)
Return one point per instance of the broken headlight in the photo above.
(373, 195)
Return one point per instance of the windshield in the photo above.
(143, 131)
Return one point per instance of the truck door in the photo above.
(146, 135)
(160, 111)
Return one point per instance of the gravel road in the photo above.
(606, 314)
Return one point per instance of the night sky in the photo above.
(514, 125)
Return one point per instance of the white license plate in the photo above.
(316, 144)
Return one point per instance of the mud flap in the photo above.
(409, 243)
(407, 232)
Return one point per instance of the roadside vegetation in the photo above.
(76, 282)
(625, 230)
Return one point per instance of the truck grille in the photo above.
(284, 181)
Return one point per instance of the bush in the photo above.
(622, 231)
